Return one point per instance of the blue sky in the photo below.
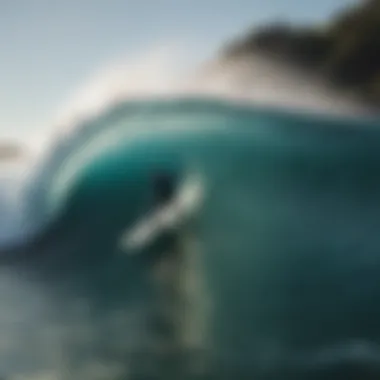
(49, 47)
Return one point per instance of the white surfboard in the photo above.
(168, 217)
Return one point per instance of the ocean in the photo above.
(283, 254)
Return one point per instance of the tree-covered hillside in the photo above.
(345, 50)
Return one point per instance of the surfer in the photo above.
(170, 252)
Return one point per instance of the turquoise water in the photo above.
(289, 253)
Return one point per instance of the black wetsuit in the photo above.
(164, 252)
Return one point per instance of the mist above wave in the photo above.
(164, 71)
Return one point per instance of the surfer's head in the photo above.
(163, 186)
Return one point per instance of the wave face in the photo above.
(287, 243)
